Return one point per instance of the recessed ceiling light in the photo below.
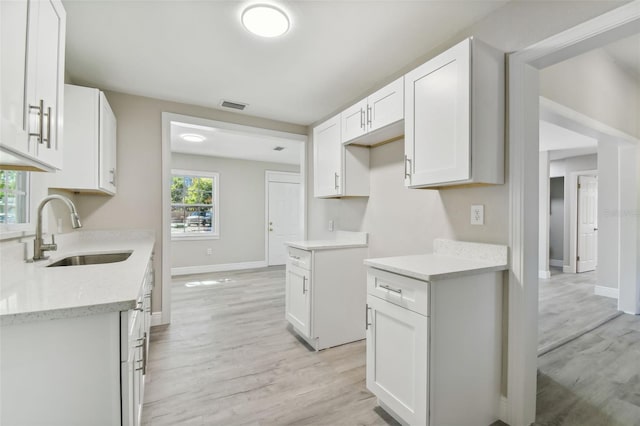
(265, 20)
(192, 137)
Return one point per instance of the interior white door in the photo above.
(283, 218)
(587, 247)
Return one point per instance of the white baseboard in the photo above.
(568, 269)
(606, 291)
(558, 263)
(156, 319)
(545, 275)
(203, 269)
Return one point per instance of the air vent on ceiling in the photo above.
(278, 148)
(233, 105)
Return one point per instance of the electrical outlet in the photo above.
(209, 251)
(331, 226)
(477, 214)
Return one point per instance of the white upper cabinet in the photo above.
(339, 171)
(90, 143)
(377, 118)
(454, 118)
(32, 69)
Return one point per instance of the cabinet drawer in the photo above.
(300, 258)
(407, 292)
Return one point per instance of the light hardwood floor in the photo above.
(568, 308)
(229, 359)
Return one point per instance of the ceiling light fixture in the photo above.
(192, 137)
(265, 20)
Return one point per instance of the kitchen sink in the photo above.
(91, 259)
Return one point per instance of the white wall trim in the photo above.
(222, 267)
(504, 403)
(558, 263)
(600, 290)
(523, 137)
(545, 275)
(156, 319)
(567, 269)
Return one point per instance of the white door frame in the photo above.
(167, 118)
(272, 176)
(523, 135)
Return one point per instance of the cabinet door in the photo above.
(397, 359)
(386, 106)
(353, 121)
(107, 143)
(327, 157)
(437, 118)
(298, 299)
(13, 59)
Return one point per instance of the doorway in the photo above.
(523, 177)
(283, 206)
(225, 231)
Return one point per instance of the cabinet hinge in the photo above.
(579, 186)
(578, 258)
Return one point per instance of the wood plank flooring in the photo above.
(568, 308)
(593, 380)
(229, 359)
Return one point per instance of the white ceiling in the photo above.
(234, 144)
(562, 142)
(197, 52)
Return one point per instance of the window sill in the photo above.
(194, 237)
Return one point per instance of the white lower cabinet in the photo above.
(397, 355)
(434, 348)
(86, 370)
(325, 292)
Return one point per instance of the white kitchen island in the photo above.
(326, 289)
(434, 334)
(74, 339)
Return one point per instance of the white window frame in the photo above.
(215, 206)
(17, 230)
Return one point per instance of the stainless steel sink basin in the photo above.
(91, 259)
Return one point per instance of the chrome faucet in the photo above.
(39, 246)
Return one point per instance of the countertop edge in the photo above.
(63, 313)
(326, 247)
(438, 276)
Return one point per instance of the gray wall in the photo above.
(556, 223)
(242, 211)
(596, 86)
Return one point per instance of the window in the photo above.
(14, 202)
(194, 204)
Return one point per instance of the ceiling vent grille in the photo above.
(233, 105)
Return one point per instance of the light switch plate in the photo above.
(477, 214)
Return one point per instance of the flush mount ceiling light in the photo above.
(265, 20)
(192, 137)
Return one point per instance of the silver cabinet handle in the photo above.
(112, 172)
(366, 317)
(361, 118)
(304, 285)
(335, 180)
(369, 115)
(138, 307)
(40, 109)
(295, 257)
(48, 139)
(395, 290)
(407, 167)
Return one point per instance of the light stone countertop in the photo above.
(450, 259)
(31, 291)
(344, 239)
